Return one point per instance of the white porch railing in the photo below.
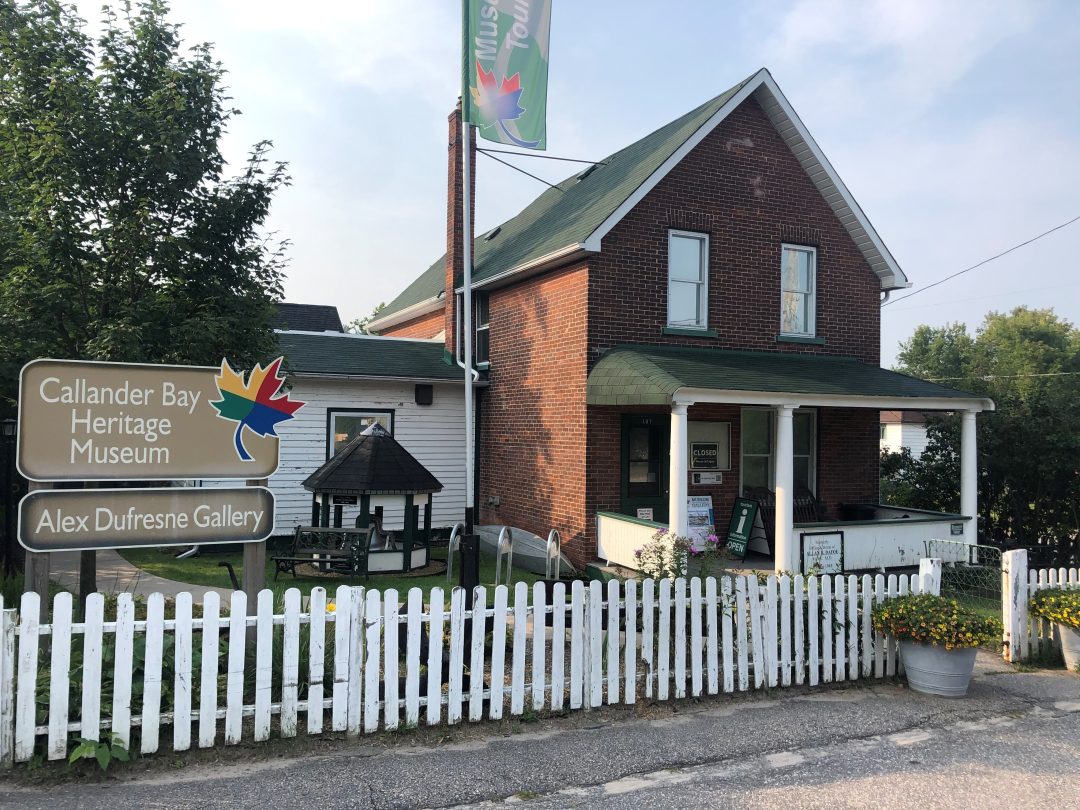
(619, 536)
(186, 681)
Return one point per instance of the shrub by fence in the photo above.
(1026, 635)
(367, 660)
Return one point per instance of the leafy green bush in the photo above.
(928, 619)
(1061, 605)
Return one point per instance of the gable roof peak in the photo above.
(574, 216)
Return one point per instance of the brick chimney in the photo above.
(455, 244)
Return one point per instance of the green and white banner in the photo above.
(504, 70)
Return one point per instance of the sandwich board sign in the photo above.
(746, 528)
(90, 421)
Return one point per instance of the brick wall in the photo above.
(532, 441)
(426, 326)
(848, 456)
(742, 186)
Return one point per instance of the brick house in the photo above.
(696, 315)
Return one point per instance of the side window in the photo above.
(482, 349)
(798, 283)
(688, 280)
(344, 426)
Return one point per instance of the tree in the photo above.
(121, 238)
(359, 326)
(1028, 362)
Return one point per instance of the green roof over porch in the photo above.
(660, 375)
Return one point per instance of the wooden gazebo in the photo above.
(375, 472)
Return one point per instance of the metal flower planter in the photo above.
(933, 670)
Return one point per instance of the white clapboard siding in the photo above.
(433, 434)
(670, 639)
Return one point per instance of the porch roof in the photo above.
(663, 375)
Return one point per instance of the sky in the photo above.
(956, 125)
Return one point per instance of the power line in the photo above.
(984, 261)
(544, 157)
(1005, 376)
(952, 301)
(517, 169)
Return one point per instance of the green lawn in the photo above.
(204, 570)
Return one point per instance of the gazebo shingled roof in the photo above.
(372, 464)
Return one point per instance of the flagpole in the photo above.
(466, 303)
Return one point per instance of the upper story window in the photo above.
(798, 285)
(482, 349)
(688, 280)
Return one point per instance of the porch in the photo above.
(798, 433)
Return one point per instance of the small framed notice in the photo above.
(825, 550)
(645, 513)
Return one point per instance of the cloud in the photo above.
(905, 54)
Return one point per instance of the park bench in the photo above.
(331, 550)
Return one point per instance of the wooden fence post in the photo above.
(930, 566)
(254, 570)
(1014, 598)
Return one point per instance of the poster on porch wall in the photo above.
(699, 514)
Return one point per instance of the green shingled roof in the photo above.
(649, 375)
(569, 213)
(351, 355)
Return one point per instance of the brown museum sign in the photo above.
(88, 421)
(87, 519)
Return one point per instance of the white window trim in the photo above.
(703, 303)
(812, 326)
(772, 447)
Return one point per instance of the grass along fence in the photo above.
(367, 661)
(1028, 636)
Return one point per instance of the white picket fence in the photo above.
(1027, 635)
(213, 679)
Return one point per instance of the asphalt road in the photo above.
(1013, 742)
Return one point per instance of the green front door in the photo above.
(644, 466)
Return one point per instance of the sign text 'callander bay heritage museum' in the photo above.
(693, 319)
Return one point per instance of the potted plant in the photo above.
(938, 640)
(1062, 607)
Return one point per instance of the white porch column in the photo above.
(677, 519)
(785, 551)
(969, 477)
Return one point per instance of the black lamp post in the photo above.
(9, 491)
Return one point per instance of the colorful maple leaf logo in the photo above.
(497, 101)
(256, 405)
